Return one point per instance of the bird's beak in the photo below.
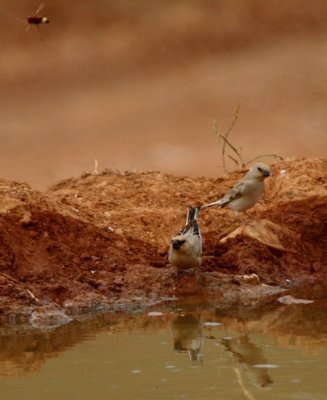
(265, 173)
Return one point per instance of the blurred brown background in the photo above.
(137, 84)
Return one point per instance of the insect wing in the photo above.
(41, 6)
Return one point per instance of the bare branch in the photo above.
(224, 138)
(278, 157)
(240, 162)
(237, 157)
(233, 159)
(236, 115)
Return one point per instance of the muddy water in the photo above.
(185, 351)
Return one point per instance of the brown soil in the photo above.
(100, 241)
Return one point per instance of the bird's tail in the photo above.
(222, 202)
(192, 214)
(191, 224)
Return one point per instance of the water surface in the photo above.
(184, 351)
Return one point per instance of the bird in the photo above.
(186, 247)
(246, 192)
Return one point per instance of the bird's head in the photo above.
(259, 171)
(177, 243)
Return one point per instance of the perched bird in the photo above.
(185, 248)
(246, 191)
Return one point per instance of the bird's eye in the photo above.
(260, 169)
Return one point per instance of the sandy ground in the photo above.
(100, 241)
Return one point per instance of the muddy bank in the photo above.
(100, 241)
(24, 350)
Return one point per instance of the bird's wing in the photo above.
(239, 190)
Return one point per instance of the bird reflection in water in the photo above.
(249, 356)
(187, 336)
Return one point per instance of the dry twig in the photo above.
(225, 142)
(237, 154)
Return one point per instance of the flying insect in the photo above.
(37, 20)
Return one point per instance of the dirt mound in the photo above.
(101, 240)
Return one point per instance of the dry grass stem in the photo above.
(237, 154)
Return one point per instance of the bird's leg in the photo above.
(235, 223)
(178, 275)
(181, 273)
(241, 220)
(237, 215)
(237, 220)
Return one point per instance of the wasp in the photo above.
(37, 20)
